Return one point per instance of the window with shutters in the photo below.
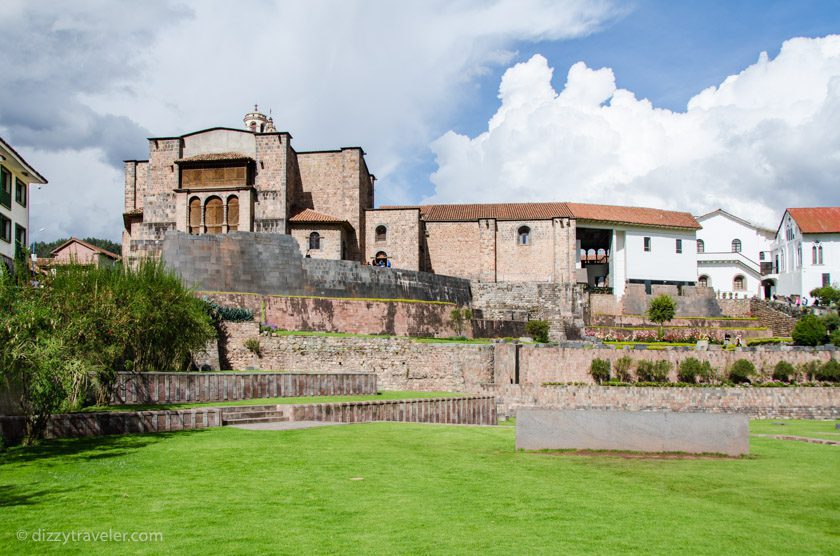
(233, 213)
(214, 215)
(195, 216)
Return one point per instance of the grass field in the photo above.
(385, 488)
(380, 396)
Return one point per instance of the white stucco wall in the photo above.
(662, 262)
(797, 275)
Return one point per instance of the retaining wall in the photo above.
(466, 410)
(272, 264)
(144, 388)
(759, 403)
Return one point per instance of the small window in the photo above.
(20, 240)
(826, 279)
(315, 240)
(819, 255)
(701, 246)
(524, 235)
(5, 187)
(736, 245)
(381, 233)
(679, 246)
(703, 281)
(738, 283)
(20, 192)
(647, 244)
(761, 255)
(5, 229)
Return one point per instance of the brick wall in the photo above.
(402, 237)
(144, 388)
(759, 403)
(453, 249)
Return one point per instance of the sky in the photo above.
(681, 105)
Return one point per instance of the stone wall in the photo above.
(692, 301)
(402, 236)
(780, 323)
(399, 363)
(471, 410)
(146, 388)
(272, 264)
(559, 304)
(759, 403)
(355, 316)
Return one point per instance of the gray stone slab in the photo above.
(637, 431)
(286, 425)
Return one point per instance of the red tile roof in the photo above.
(545, 211)
(313, 216)
(210, 157)
(499, 211)
(639, 216)
(816, 220)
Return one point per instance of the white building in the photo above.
(15, 176)
(806, 251)
(734, 255)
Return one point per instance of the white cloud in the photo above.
(763, 140)
(381, 74)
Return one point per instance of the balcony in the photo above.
(729, 257)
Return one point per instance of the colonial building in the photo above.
(734, 256)
(77, 251)
(15, 177)
(806, 251)
(221, 180)
(601, 245)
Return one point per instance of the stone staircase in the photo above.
(244, 415)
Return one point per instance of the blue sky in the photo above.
(416, 83)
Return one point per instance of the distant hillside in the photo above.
(43, 249)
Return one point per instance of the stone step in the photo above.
(252, 414)
(245, 408)
(246, 421)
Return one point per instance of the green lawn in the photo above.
(812, 429)
(385, 488)
(384, 395)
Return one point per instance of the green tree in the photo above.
(538, 330)
(662, 309)
(827, 295)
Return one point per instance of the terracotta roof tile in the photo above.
(313, 216)
(499, 211)
(209, 157)
(639, 216)
(817, 220)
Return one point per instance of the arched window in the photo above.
(195, 216)
(381, 233)
(381, 259)
(524, 235)
(214, 215)
(819, 255)
(701, 246)
(233, 213)
(738, 283)
(736, 245)
(703, 281)
(314, 240)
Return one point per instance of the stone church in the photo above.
(221, 180)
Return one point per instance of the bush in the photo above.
(835, 337)
(65, 341)
(741, 371)
(622, 368)
(662, 308)
(253, 345)
(809, 369)
(831, 321)
(783, 371)
(650, 371)
(829, 371)
(692, 369)
(827, 295)
(538, 330)
(809, 331)
(600, 370)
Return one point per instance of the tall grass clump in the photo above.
(64, 337)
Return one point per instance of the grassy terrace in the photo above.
(388, 395)
(384, 488)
